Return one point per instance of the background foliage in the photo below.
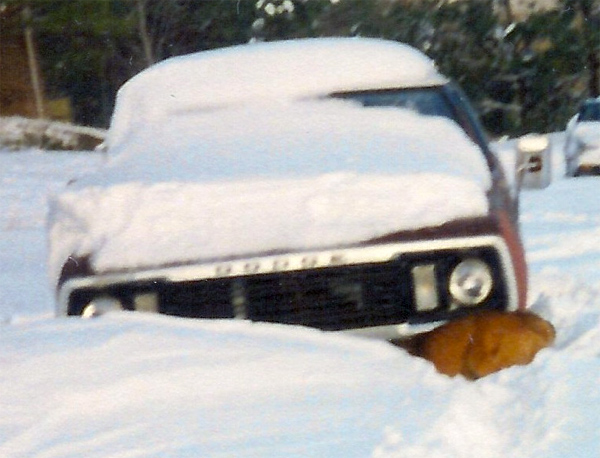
(524, 74)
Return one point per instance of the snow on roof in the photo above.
(274, 70)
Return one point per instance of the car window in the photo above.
(590, 112)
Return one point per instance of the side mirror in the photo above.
(534, 165)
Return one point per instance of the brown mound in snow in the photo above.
(477, 345)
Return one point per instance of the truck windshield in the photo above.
(428, 101)
(425, 101)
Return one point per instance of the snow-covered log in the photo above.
(18, 133)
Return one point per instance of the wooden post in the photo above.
(34, 69)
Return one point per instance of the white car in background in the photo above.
(582, 143)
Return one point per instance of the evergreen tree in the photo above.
(523, 76)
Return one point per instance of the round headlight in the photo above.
(471, 282)
(101, 305)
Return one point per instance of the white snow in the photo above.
(17, 133)
(198, 145)
(193, 187)
(26, 180)
(154, 386)
(287, 70)
(589, 134)
(136, 225)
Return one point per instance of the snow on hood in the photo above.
(588, 132)
(588, 136)
(298, 176)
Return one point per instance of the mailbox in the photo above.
(534, 162)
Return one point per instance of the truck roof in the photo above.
(256, 72)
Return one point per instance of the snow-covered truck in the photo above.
(340, 183)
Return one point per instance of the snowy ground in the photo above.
(132, 385)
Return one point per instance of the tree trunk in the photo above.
(143, 31)
(591, 48)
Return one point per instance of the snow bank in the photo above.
(146, 385)
(216, 388)
(258, 179)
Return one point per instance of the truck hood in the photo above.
(137, 225)
(248, 182)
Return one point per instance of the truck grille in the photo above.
(329, 298)
(332, 299)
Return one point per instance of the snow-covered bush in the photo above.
(18, 133)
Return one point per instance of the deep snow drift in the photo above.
(153, 386)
